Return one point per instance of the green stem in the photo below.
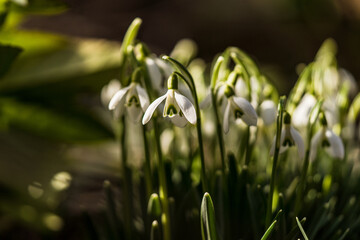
(126, 183)
(163, 194)
(148, 175)
(191, 84)
(275, 159)
(219, 130)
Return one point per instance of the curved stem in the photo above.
(219, 130)
(199, 132)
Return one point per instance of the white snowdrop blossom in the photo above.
(177, 108)
(238, 108)
(302, 112)
(289, 137)
(158, 72)
(133, 98)
(327, 139)
(268, 112)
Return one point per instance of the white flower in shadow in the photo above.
(133, 98)
(329, 141)
(289, 137)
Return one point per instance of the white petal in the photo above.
(226, 117)
(282, 149)
(315, 141)
(250, 116)
(268, 112)
(300, 117)
(240, 88)
(154, 72)
(186, 107)
(179, 121)
(336, 145)
(298, 141)
(134, 113)
(165, 67)
(143, 97)
(118, 97)
(150, 110)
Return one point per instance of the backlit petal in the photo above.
(268, 112)
(118, 97)
(186, 107)
(143, 97)
(150, 110)
(179, 121)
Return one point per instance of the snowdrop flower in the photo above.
(133, 98)
(302, 111)
(268, 112)
(328, 140)
(158, 71)
(177, 107)
(238, 108)
(289, 137)
(109, 90)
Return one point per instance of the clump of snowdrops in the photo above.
(223, 156)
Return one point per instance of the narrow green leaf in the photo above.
(8, 54)
(154, 206)
(215, 72)
(269, 231)
(155, 231)
(208, 225)
(301, 229)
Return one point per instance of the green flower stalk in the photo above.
(214, 78)
(186, 76)
(279, 119)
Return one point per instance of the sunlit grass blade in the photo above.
(301, 229)
(269, 231)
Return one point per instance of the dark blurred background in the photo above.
(279, 34)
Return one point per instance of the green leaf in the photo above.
(59, 60)
(50, 124)
(8, 54)
(301, 229)
(208, 225)
(268, 231)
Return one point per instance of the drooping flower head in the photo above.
(289, 137)
(133, 98)
(177, 108)
(328, 140)
(237, 108)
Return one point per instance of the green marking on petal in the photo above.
(288, 142)
(325, 143)
(133, 100)
(238, 113)
(171, 111)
